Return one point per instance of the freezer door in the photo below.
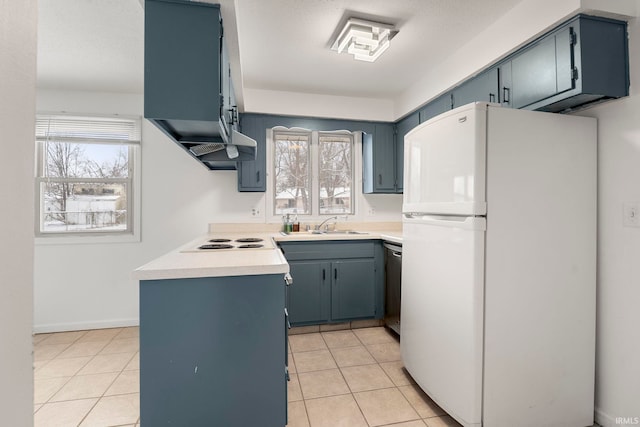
(444, 163)
(442, 311)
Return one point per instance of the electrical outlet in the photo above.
(372, 211)
(631, 214)
(255, 212)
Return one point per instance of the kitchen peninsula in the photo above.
(213, 336)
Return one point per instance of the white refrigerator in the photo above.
(499, 265)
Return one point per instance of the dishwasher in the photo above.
(393, 275)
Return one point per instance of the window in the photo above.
(86, 174)
(292, 173)
(313, 172)
(335, 173)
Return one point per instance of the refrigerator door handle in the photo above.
(464, 222)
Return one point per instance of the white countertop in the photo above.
(178, 264)
(388, 235)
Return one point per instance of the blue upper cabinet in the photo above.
(378, 160)
(252, 176)
(229, 112)
(541, 71)
(483, 87)
(188, 92)
(583, 60)
(402, 128)
(435, 107)
(182, 68)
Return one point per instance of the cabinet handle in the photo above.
(286, 318)
(258, 176)
(324, 274)
(492, 97)
(335, 274)
(234, 113)
(379, 179)
(506, 95)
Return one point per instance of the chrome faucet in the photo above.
(319, 226)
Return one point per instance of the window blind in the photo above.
(87, 129)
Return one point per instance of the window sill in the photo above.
(89, 239)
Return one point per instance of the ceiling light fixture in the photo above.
(365, 40)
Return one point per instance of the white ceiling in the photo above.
(282, 45)
(94, 45)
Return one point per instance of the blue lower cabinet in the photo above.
(334, 281)
(353, 289)
(308, 299)
(210, 348)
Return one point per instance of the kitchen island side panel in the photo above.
(210, 348)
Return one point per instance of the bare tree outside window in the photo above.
(82, 191)
(313, 172)
(336, 173)
(292, 173)
(85, 174)
(63, 161)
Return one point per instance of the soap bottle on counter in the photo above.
(296, 224)
(288, 225)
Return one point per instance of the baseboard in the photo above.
(81, 326)
(605, 420)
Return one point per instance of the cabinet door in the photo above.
(543, 70)
(483, 87)
(252, 175)
(178, 35)
(225, 94)
(233, 105)
(435, 107)
(384, 159)
(308, 296)
(353, 290)
(402, 128)
(229, 112)
(504, 73)
(379, 160)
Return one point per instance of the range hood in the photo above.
(224, 155)
(208, 142)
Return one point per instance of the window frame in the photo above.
(352, 190)
(314, 163)
(311, 168)
(132, 183)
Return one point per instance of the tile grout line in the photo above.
(76, 374)
(349, 387)
(70, 377)
(347, 383)
(114, 380)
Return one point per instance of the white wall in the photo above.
(618, 298)
(88, 285)
(317, 105)
(17, 122)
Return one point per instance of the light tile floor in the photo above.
(340, 378)
(355, 378)
(87, 378)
